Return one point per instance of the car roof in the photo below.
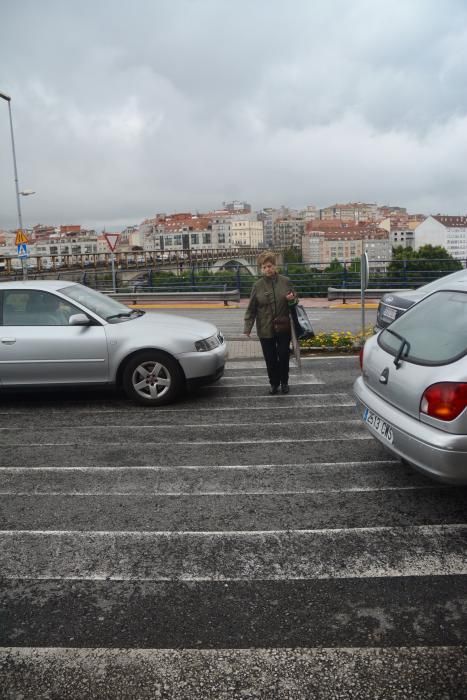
(458, 286)
(459, 277)
(44, 285)
(454, 277)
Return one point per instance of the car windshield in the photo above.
(435, 330)
(100, 304)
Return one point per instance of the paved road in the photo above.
(230, 320)
(234, 545)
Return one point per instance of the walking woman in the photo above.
(271, 297)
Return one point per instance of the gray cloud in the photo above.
(125, 109)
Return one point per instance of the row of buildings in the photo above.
(342, 232)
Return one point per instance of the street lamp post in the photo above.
(7, 98)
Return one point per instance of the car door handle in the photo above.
(8, 341)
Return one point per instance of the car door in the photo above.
(38, 346)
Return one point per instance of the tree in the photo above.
(292, 255)
(334, 266)
(417, 267)
(427, 257)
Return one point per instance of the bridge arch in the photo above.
(229, 263)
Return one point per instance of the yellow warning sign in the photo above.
(21, 237)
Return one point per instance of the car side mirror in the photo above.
(79, 320)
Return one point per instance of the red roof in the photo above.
(451, 221)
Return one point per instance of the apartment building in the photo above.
(221, 231)
(288, 232)
(215, 230)
(345, 241)
(176, 232)
(450, 232)
(246, 231)
(352, 211)
(269, 216)
(400, 233)
(237, 207)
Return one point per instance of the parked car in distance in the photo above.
(393, 305)
(412, 393)
(58, 333)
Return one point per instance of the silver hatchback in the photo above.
(56, 333)
(412, 393)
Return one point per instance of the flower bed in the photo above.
(342, 341)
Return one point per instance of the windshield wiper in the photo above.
(126, 314)
(122, 314)
(404, 345)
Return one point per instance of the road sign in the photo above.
(112, 240)
(364, 270)
(21, 237)
(22, 250)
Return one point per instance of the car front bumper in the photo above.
(200, 366)
(438, 454)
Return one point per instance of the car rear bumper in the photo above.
(438, 454)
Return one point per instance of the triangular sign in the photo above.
(21, 237)
(112, 240)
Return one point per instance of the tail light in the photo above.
(445, 400)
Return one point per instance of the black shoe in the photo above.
(285, 388)
(273, 389)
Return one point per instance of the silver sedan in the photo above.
(412, 394)
(57, 333)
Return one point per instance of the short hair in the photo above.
(265, 257)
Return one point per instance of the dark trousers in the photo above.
(276, 354)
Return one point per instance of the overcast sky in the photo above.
(122, 108)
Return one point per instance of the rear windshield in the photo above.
(435, 329)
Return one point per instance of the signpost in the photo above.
(112, 240)
(364, 276)
(21, 243)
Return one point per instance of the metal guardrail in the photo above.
(353, 293)
(231, 295)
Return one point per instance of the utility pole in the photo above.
(7, 98)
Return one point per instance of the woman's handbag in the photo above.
(281, 324)
(302, 324)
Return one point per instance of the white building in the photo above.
(450, 232)
(246, 231)
(221, 232)
(58, 252)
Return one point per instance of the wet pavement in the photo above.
(231, 545)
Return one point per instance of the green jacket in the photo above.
(267, 300)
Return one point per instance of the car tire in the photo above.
(152, 378)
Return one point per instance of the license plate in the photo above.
(378, 424)
(389, 312)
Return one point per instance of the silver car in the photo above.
(412, 393)
(394, 304)
(59, 333)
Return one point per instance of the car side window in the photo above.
(30, 307)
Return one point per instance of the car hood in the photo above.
(180, 325)
(405, 300)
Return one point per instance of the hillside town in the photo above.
(337, 232)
